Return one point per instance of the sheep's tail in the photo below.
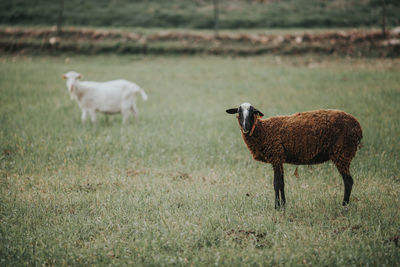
(360, 144)
(143, 94)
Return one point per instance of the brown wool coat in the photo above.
(306, 138)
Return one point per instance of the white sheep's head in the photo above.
(71, 78)
(246, 115)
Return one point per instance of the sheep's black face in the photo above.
(246, 117)
(246, 114)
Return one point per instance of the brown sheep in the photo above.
(304, 138)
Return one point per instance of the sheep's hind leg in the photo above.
(344, 170)
(282, 190)
(342, 154)
(129, 108)
(279, 186)
(348, 185)
(134, 110)
(125, 116)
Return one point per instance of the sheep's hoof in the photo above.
(345, 206)
(280, 206)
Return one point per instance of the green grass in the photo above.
(178, 187)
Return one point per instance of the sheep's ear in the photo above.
(232, 110)
(64, 77)
(80, 76)
(256, 111)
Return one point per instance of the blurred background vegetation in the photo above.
(199, 14)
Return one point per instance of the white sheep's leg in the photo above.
(125, 115)
(134, 109)
(126, 111)
(128, 108)
(92, 114)
(84, 115)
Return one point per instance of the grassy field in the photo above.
(178, 187)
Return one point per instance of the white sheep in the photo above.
(118, 96)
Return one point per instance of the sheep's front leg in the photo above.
(84, 115)
(279, 186)
(92, 114)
